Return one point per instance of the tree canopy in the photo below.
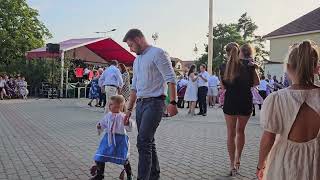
(20, 31)
(241, 32)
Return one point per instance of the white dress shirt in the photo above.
(213, 81)
(201, 82)
(152, 70)
(111, 77)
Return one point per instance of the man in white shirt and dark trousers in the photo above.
(213, 83)
(102, 94)
(203, 89)
(152, 73)
(112, 81)
(263, 88)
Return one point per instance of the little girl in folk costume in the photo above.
(256, 100)
(114, 145)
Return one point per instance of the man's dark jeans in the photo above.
(102, 99)
(148, 116)
(202, 98)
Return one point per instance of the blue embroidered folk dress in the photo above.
(94, 89)
(114, 145)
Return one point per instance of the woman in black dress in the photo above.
(239, 77)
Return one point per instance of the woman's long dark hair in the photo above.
(123, 68)
(192, 69)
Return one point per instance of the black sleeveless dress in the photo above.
(238, 96)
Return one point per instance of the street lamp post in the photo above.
(155, 37)
(105, 32)
(195, 50)
(210, 37)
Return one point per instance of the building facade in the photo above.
(307, 27)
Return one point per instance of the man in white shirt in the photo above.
(271, 82)
(213, 83)
(263, 87)
(203, 89)
(86, 73)
(112, 81)
(102, 94)
(152, 73)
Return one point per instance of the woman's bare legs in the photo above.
(193, 106)
(241, 125)
(231, 144)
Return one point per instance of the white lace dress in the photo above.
(192, 91)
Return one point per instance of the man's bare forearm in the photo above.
(172, 91)
(132, 100)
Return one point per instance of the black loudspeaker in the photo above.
(53, 48)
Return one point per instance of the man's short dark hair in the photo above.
(173, 63)
(114, 62)
(203, 65)
(131, 34)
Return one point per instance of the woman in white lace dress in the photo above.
(290, 144)
(191, 94)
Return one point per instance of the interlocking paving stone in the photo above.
(52, 139)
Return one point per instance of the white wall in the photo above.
(274, 69)
(279, 47)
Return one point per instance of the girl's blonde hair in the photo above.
(303, 59)
(233, 64)
(119, 99)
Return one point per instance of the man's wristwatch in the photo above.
(173, 102)
(129, 109)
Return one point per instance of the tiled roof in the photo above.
(307, 23)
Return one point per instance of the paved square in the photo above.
(52, 139)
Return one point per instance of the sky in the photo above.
(180, 23)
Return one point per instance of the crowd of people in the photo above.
(240, 89)
(290, 108)
(188, 86)
(13, 87)
(108, 82)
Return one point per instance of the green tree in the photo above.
(246, 27)
(20, 31)
(261, 53)
(241, 32)
(222, 35)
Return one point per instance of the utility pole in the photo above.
(210, 37)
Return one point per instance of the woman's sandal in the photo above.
(237, 166)
(233, 172)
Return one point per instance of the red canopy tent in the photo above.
(94, 50)
(97, 50)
